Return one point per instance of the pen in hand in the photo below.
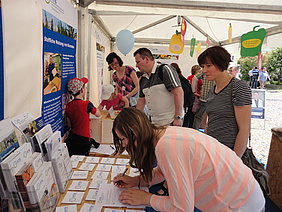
(119, 182)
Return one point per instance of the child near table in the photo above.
(112, 100)
(77, 112)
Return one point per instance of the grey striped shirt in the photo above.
(222, 123)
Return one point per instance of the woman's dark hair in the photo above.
(217, 55)
(136, 127)
(110, 59)
(175, 65)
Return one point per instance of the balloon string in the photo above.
(131, 22)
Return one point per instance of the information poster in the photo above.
(1, 69)
(100, 64)
(59, 59)
(258, 103)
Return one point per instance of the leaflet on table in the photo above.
(40, 139)
(13, 163)
(108, 160)
(78, 185)
(26, 124)
(108, 195)
(68, 208)
(105, 149)
(91, 208)
(73, 197)
(8, 139)
(42, 189)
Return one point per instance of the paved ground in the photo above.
(261, 129)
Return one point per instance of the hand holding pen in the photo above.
(119, 182)
(124, 181)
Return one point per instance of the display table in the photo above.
(101, 162)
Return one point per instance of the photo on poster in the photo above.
(258, 103)
(51, 22)
(52, 72)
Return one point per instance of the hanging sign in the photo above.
(192, 46)
(199, 48)
(208, 43)
(183, 29)
(251, 42)
(176, 45)
(230, 33)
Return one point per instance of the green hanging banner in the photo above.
(192, 46)
(251, 42)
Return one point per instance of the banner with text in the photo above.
(59, 21)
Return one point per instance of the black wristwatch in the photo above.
(178, 117)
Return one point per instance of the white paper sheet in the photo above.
(104, 167)
(90, 208)
(100, 175)
(77, 158)
(68, 208)
(78, 185)
(78, 175)
(113, 210)
(109, 196)
(86, 166)
(96, 184)
(118, 169)
(74, 164)
(92, 194)
(104, 149)
(73, 197)
(108, 160)
(122, 161)
(92, 160)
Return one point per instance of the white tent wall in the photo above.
(22, 33)
(95, 80)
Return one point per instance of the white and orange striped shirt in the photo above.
(201, 172)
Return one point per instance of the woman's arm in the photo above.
(135, 80)
(125, 100)
(243, 119)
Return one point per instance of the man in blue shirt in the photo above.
(255, 74)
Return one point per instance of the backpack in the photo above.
(185, 84)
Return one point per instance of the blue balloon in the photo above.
(125, 41)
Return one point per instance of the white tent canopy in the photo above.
(156, 21)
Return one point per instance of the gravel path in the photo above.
(261, 129)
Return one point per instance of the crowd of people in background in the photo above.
(258, 77)
(173, 104)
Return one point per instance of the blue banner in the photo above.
(59, 65)
(1, 70)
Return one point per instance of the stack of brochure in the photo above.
(61, 162)
(42, 189)
(39, 140)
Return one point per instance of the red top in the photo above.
(190, 78)
(78, 113)
(115, 103)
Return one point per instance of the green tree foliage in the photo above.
(274, 64)
(246, 64)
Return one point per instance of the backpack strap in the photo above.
(160, 71)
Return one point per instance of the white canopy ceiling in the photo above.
(156, 21)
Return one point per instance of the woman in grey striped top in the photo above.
(229, 101)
